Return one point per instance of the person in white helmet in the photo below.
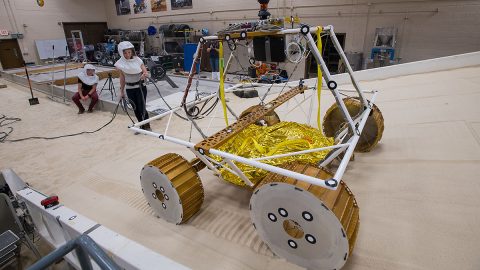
(87, 88)
(132, 79)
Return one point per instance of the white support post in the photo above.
(298, 106)
(277, 170)
(239, 173)
(207, 162)
(163, 137)
(333, 155)
(355, 83)
(310, 108)
(168, 123)
(303, 152)
(346, 158)
(336, 94)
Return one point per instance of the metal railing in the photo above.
(85, 249)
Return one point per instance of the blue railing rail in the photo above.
(85, 248)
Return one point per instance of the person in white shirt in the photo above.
(132, 79)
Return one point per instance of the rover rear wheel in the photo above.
(372, 133)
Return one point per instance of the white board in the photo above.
(45, 48)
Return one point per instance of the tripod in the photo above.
(110, 87)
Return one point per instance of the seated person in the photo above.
(87, 88)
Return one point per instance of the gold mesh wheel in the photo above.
(270, 119)
(172, 188)
(372, 133)
(308, 225)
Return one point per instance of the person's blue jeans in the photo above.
(214, 64)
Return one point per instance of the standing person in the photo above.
(213, 49)
(87, 88)
(132, 78)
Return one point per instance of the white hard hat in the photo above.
(125, 45)
(89, 66)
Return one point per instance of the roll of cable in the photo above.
(177, 31)
(98, 55)
(294, 52)
(180, 30)
(89, 48)
(164, 29)
(135, 36)
(171, 30)
(152, 30)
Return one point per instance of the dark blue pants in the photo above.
(139, 100)
(214, 64)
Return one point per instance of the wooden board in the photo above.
(101, 75)
(42, 70)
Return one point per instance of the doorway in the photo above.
(329, 54)
(10, 54)
(83, 38)
(92, 32)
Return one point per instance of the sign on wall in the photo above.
(139, 6)
(51, 48)
(4, 32)
(123, 7)
(159, 5)
(181, 4)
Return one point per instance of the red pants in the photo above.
(76, 99)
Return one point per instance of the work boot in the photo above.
(80, 111)
(146, 127)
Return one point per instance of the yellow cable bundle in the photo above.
(222, 81)
(319, 76)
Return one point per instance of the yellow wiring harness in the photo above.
(222, 82)
(319, 77)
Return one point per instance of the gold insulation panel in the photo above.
(334, 121)
(254, 116)
(340, 201)
(185, 181)
(263, 141)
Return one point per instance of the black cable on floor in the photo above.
(122, 102)
(4, 121)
